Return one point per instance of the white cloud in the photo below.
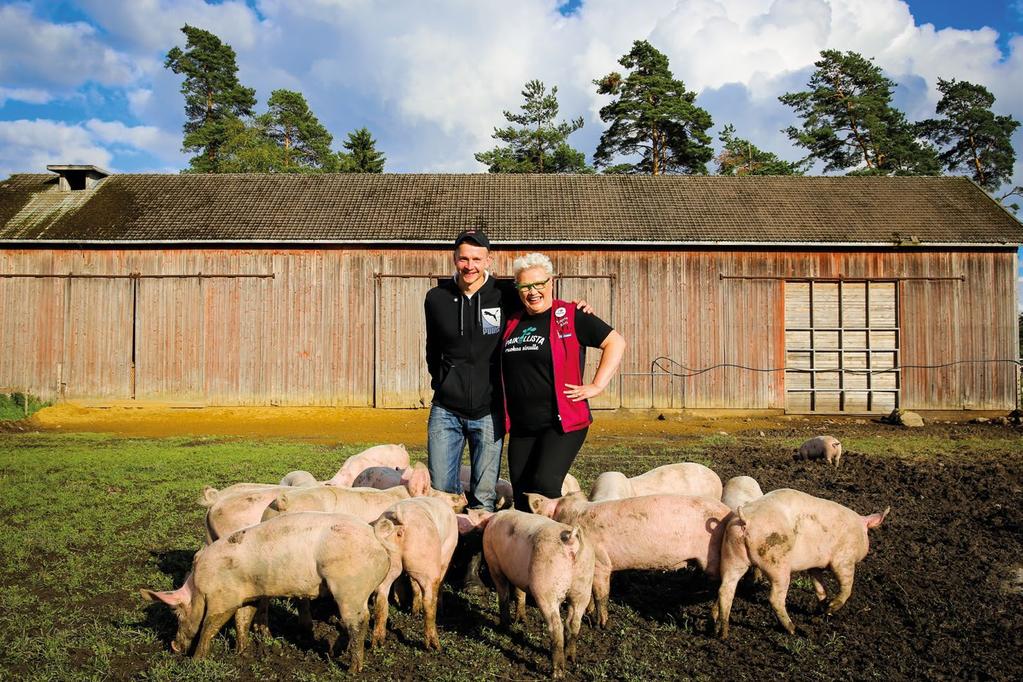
(29, 145)
(36, 53)
(28, 95)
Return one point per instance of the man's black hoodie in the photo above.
(462, 339)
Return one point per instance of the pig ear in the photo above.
(172, 599)
(538, 504)
(479, 517)
(874, 520)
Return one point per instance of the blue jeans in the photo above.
(447, 434)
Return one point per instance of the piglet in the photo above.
(299, 555)
(652, 532)
(420, 535)
(686, 478)
(821, 447)
(787, 530)
(393, 456)
(739, 490)
(416, 478)
(552, 561)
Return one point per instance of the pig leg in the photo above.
(211, 625)
(242, 621)
(520, 605)
(844, 572)
(552, 616)
(430, 588)
(601, 593)
(733, 568)
(817, 576)
(355, 617)
(417, 597)
(260, 622)
(380, 605)
(574, 618)
(503, 593)
(780, 577)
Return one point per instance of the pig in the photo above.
(553, 562)
(416, 478)
(821, 447)
(298, 555)
(299, 479)
(365, 503)
(788, 530)
(231, 512)
(420, 535)
(210, 494)
(739, 490)
(686, 478)
(394, 456)
(653, 532)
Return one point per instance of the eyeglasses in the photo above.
(534, 286)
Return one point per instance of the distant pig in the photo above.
(299, 555)
(739, 490)
(365, 503)
(686, 478)
(652, 532)
(299, 479)
(420, 535)
(785, 531)
(393, 456)
(821, 447)
(416, 478)
(550, 560)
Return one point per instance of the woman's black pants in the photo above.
(538, 461)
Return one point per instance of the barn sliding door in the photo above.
(840, 338)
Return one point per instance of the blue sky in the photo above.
(83, 80)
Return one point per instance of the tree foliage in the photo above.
(535, 143)
(849, 122)
(303, 142)
(653, 116)
(742, 157)
(215, 101)
(362, 155)
(971, 136)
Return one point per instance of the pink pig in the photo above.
(739, 490)
(297, 555)
(245, 507)
(365, 503)
(686, 478)
(653, 532)
(416, 478)
(787, 530)
(394, 456)
(551, 560)
(420, 535)
(821, 447)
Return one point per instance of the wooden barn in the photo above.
(813, 294)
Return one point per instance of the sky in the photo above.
(83, 81)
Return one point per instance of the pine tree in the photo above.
(849, 122)
(972, 137)
(741, 157)
(362, 155)
(537, 144)
(303, 141)
(653, 116)
(214, 98)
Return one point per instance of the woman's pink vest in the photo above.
(567, 357)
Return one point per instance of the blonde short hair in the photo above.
(532, 260)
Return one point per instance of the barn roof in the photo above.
(514, 209)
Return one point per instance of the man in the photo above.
(464, 319)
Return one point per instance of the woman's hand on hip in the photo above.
(584, 392)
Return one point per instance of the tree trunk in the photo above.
(981, 178)
(860, 142)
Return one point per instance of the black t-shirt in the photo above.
(529, 370)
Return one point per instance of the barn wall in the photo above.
(326, 331)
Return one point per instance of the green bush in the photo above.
(19, 405)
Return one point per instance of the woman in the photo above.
(546, 412)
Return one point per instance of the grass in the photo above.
(14, 406)
(88, 519)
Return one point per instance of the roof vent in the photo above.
(77, 177)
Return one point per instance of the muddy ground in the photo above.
(934, 599)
